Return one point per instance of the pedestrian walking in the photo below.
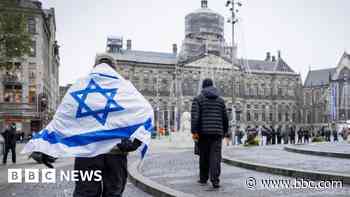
(113, 164)
(229, 138)
(209, 122)
(279, 134)
(240, 135)
(273, 134)
(307, 133)
(292, 134)
(9, 136)
(334, 132)
(300, 135)
(285, 134)
(327, 133)
(100, 120)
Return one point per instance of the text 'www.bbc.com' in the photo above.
(271, 184)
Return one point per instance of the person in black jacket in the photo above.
(292, 134)
(10, 142)
(279, 134)
(209, 124)
(273, 134)
(300, 135)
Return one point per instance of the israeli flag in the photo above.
(97, 111)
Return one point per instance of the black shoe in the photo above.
(202, 182)
(216, 186)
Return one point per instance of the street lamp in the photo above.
(233, 20)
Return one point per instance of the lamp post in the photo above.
(233, 20)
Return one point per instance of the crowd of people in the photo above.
(290, 134)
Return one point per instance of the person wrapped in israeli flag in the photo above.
(96, 113)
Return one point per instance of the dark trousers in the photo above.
(335, 138)
(210, 158)
(114, 176)
(273, 141)
(292, 139)
(300, 139)
(279, 139)
(7, 150)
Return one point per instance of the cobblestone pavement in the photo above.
(340, 147)
(180, 171)
(275, 155)
(60, 189)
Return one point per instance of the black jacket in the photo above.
(208, 114)
(10, 136)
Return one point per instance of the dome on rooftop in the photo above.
(204, 20)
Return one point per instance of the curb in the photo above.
(291, 172)
(151, 187)
(317, 153)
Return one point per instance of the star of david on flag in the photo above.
(97, 112)
(100, 115)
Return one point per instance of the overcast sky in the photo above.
(308, 32)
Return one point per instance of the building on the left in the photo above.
(29, 91)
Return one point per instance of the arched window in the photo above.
(279, 91)
(263, 90)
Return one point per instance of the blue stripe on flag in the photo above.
(55, 137)
(143, 151)
(104, 75)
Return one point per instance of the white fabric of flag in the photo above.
(95, 114)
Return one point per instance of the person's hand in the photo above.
(195, 137)
(43, 158)
(127, 145)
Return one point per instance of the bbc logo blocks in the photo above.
(31, 176)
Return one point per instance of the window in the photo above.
(146, 83)
(33, 49)
(267, 91)
(308, 117)
(32, 94)
(317, 96)
(136, 82)
(238, 116)
(248, 116)
(279, 117)
(287, 117)
(13, 96)
(262, 93)
(280, 92)
(256, 116)
(31, 74)
(263, 117)
(247, 92)
(271, 117)
(31, 25)
(294, 117)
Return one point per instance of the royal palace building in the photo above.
(265, 91)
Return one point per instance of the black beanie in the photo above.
(207, 83)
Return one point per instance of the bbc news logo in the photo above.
(50, 175)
